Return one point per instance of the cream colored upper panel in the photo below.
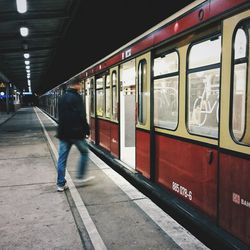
(146, 92)
(226, 141)
(115, 100)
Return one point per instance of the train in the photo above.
(173, 105)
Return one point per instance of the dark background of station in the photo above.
(101, 27)
(30, 100)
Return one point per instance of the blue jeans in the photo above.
(64, 148)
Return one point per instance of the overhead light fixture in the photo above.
(26, 55)
(21, 6)
(28, 70)
(27, 67)
(27, 62)
(24, 31)
(28, 77)
(25, 46)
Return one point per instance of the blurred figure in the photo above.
(72, 130)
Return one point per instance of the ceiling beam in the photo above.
(34, 36)
(30, 16)
(18, 50)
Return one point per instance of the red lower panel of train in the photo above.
(108, 134)
(143, 152)
(114, 139)
(234, 207)
(104, 134)
(189, 170)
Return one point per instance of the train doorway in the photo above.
(127, 113)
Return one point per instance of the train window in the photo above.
(204, 87)
(166, 64)
(92, 97)
(99, 97)
(240, 118)
(114, 95)
(205, 53)
(166, 81)
(142, 86)
(107, 96)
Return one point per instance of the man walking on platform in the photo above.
(72, 130)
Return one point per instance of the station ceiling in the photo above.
(67, 36)
(48, 22)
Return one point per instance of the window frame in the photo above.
(140, 90)
(168, 75)
(114, 86)
(235, 62)
(96, 91)
(199, 69)
(107, 88)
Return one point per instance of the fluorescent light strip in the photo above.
(21, 6)
(26, 55)
(24, 31)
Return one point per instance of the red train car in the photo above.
(174, 105)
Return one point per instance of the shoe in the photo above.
(81, 181)
(61, 189)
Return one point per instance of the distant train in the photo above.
(174, 105)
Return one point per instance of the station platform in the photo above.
(106, 213)
(4, 116)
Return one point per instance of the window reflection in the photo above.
(166, 91)
(204, 87)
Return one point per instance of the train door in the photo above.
(143, 136)
(127, 113)
(234, 176)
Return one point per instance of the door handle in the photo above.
(210, 156)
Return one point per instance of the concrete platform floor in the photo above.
(4, 116)
(107, 213)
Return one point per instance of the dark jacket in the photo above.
(72, 123)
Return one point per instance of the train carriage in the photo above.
(174, 106)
